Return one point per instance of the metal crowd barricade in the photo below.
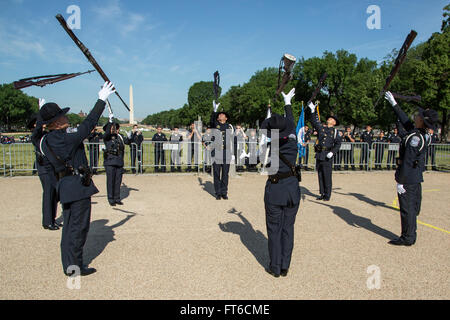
(3, 159)
(19, 157)
(381, 153)
(438, 157)
(95, 155)
(163, 156)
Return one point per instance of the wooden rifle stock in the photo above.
(319, 87)
(87, 54)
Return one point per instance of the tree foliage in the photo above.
(15, 107)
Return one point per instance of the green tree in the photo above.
(15, 107)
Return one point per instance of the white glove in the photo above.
(128, 134)
(41, 102)
(111, 117)
(312, 107)
(400, 189)
(288, 97)
(389, 97)
(216, 106)
(330, 155)
(244, 155)
(269, 113)
(106, 91)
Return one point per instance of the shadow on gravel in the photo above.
(367, 200)
(254, 240)
(208, 186)
(358, 221)
(100, 235)
(125, 191)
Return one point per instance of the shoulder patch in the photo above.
(414, 141)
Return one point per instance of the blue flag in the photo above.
(301, 134)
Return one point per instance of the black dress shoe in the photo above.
(284, 272)
(326, 199)
(112, 204)
(272, 273)
(51, 227)
(400, 242)
(218, 197)
(83, 272)
(320, 198)
(58, 224)
(120, 203)
(225, 197)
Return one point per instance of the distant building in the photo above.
(82, 114)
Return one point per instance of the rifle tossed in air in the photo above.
(42, 81)
(398, 62)
(86, 52)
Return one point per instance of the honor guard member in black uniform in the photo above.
(221, 164)
(431, 153)
(411, 164)
(327, 145)
(136, 138)
(393, 138)
(349, 154)
(65, 152)
(160, 159)
(47, 176)
(379, 150)
(94, 149)
(113, 160)
(282, 191)
(367, 137)
(175, 155)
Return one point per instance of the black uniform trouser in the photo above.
(391, 159)
(324, 171)
(49, 198)
(135, 152)
(221, 181)
(160, 158)
(77, 217)
(93, 156)
(431, 153)
(364, 157)
(280, 232)
(306, 156)
(379, 154)
(349, 158)
(410, 203)
(113, 182)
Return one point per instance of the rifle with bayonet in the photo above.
(86, 52)
(42, 81)
(216, 84)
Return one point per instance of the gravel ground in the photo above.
(173, 240)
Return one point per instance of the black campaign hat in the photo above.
(335, 119)
(222, 112)
(116, 124)
(430, 118)
(51, 112)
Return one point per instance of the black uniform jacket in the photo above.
(412, 152)
(328, 138)
(287, 191)
(43, 165)
(69, 147)
(114, 142)
(227, 131)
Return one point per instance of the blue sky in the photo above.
(163, 47)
